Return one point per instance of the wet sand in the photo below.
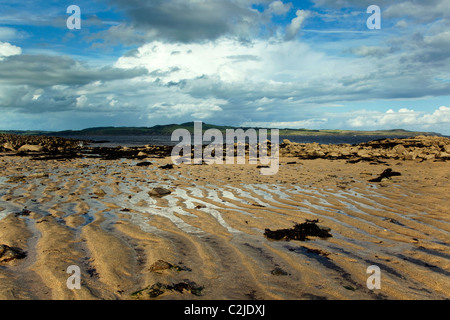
(98, 215)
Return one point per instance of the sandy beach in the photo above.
(208, 232)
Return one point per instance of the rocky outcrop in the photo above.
(416, 148)
(420, 148)
(57, 148)
(24, 143)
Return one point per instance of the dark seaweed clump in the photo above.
(299, 232)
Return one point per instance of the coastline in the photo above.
(98, 212)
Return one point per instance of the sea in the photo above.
(142, 140)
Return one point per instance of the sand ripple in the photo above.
(99, 215)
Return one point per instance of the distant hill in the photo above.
(160, 130)
(167, 130)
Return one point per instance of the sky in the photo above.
(261, 63)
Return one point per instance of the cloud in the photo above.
(190, 21)
(267, 79)
(122, 34)
(403, 118)
(32, 84)
(8, 34)
(296, 24)
(45, 71)
(414, 11)
(201, 109)
(370, 51)
(7, 50)
(309, 123)
(422, 12)
(279, 8)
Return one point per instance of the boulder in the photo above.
(411, 156)
(365, 154)
(334, 154)
(159, 192)
(31, 148)
(444, 155)
(400, 150)
(8, 146)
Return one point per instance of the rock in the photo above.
(400, 150)
(364, 154)
(161, 265)
(167, 167)
(318, 154)
(159, 192)
(31, 148)
(8, 146)
(7, 253)
(444, 155)
(411, 156)
(279, 272)
(345, 151)
(333, 154)
(429, 157)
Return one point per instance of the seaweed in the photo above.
(387, 174)
(299, 232)
(158, 289)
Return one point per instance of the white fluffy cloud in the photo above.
(7, 49)
(403, 118)
(230, 61)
